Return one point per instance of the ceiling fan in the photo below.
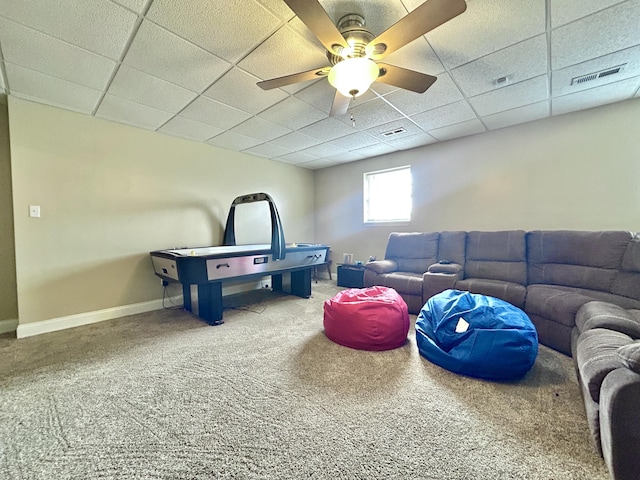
(354, 52)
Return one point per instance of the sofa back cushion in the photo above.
(627, 280)
(413, 252)
(497, 256)
(578, 259)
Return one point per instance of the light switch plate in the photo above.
(34, 211)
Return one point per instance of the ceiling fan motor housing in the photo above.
(351, 27)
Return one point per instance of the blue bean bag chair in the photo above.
(476, 335)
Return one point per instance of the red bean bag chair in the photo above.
(374, 318)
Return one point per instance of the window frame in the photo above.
(366, 214)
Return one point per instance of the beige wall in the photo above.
(110, 193)
(576, 171)
(8, 296)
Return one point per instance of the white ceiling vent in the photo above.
(395, 131)
(595, 75)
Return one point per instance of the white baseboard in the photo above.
(7, 326)
(61, 323)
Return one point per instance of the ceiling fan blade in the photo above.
(403, 78)
(340, 105)
(294, 78)
(311, 13)
(423, 19)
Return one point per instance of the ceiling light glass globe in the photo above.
(353, 76)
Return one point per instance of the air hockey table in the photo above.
(209, 267)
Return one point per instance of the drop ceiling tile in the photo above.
(42, 88)
(100, 26)
(518, 62)
(323, 150)
(189, 129)
(407, 125)
(374, 150)
(594, 97)
(345, 157)
(233, 141)
(292, 113)
(370, 114)
(353, 141)
(511, 96)
(317, 164)
(593, 35)
(568, 11)
(124, 111)
(154, 92)
(165, 55)
(295, 158)
(412, 141)
(37, 51)
(446, 115)
(135, 5)
(327, 129)
(417, 55)
(486, 27)
(518, 115)
(260, 129)
(318, 94)
(284, 53)
(295, 141)
(214, 25)
(382, 88)
(214, 113)
(470, 127)
(278, 7)
(444, 91)
(267, 150)
(238, 89)
(561, 79)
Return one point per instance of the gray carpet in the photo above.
(266, 395)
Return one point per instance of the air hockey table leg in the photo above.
(210, 302)
(301, 283)
(186, 296)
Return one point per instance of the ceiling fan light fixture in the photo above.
(353, 76)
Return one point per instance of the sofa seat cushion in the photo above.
(403, 282)
(608, 315)
(507, 291)
(562, 303)
(597, 356)
(555, 302)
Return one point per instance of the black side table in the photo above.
(351, 276)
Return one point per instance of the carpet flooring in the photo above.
(161, 395)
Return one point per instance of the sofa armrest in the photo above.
(382, 266)
(597, 314)
(629, 355)
(620, 423)
(434, 283)
(445, 267)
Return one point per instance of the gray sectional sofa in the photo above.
(580, 289)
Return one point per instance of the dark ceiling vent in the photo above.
(395, 131)
(595, 75)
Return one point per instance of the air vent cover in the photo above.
(395, 131)
(595, 75)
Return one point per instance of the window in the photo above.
(387, 195)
